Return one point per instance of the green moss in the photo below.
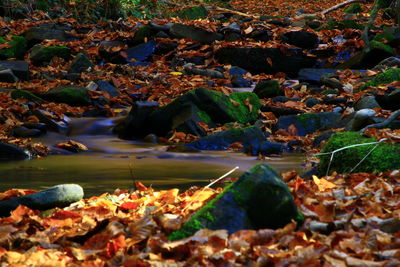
(17, 47)
(341, 25)
(389, 76)
(15, 94)
(267, 89)
(42, 54)
(381, 46)
(203, 116)
(242, 112)
(384, 37)
(384, 157)
(353, 9)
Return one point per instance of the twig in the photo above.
(326, 11)
(383, 124)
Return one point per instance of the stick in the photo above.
(326, 11)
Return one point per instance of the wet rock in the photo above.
(301, 39)
(44, 54)
(107, 87)
(310, 102)
(221, 140)
(24, 132)
(19, 68)
(194, 33)
(80, 63)
(139, 53)
(40, 33)
(52, 125)
(268, 89)
(237, 78)
(265, 148)
(17, 47)
(57, 196)
(12, 152)
(268, 60)
(238, 206)
(8, 76)
(368, 102)
(389, 62)
(309, 122)
(320, 138)
(360, 119)
(72, 95)
(332, 83)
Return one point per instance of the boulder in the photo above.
(52, 125)
(139, 53)
(381, 158)
(8, 76)
(310, 122)
(367, 101)
(301, 39)
(107, 87)
(40, 33)
(56, 196)
(268, 60)
(259, 199)
(194, 33)
(19, 68)
(19, 93)
(221, 140)
(16, 49)
(387, 63)
(80, 63)
(12, 152)
(43, 54)
(72, 95)
(265, 148)
(237, 78)
(268, 89)
(360, 119)
(389, 76)
(25, 132)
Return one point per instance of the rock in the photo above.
(52, 125)
(261, 35)
(17, 47)
(19, 68)
(8, 76)
(265, 148)
(268, 60)
(381, 158)
(107, 87)
(189, 69)
(360, 119)
(369, 57)
(12, 152)
(389, 76)
(135, 125)
(139, 53)
(192, 13)
(72, 95)
(237, 79)
(309, 122)
(221, 140)
(268, 89)
(56, 196)
(80, 63)
(387, 63)
(310, 102)
(301, 39)
(332, 82)
(143, 33)
(238, 207)
(44, 54)
(40, 33)
(353, 9)
(194, 33)
(19, 93)
(311, 75)
(367, 102)
(320, 138)
(24, 132)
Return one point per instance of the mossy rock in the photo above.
(389, 76)
(353, 9)
(268, 89)
(341, 25)
(15, 94)
(259, 199)
(384, 157)
(192, 13)
(72, 95)
(17, 49)
(40, 54)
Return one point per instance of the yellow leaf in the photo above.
(323, 184)
(176, 73)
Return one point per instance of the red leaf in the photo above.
(129, 206)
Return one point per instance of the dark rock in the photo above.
(265, 148)
(24, 132)
(389, 62)
(360, 119)
(310, 173)
(335, 100)
(72, 95)
(301, 39)
(12, 152)
(284, 99)
(314, 24)
(268, 89)
(192, 13)
(194, 33)
(237, 79)
(311, 75)
(309, 122)
(57, 196)
(221, 140)
(232, 36)
(140, 52)
(367, 101)
(142, 33)
(80, 63)
(107, 87)
(19, 93)
(261, 35)
(189, 69)
(280, 111)
(44, 54)
(238, 206)
(310, 102)
(8, 76)
(52, 125)
(19, 68)
(38, 34)
(320, 138)
(258, 60)
(332, 82)
(17, 47)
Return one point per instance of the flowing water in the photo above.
(113, 163)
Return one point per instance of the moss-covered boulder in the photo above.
(41, 54)
(19, 68)
(192, 13)
(17, 47)
(194, 33)
(258, 200)
(221, 140)
(15, 94)
(383, 157)
(72, 95)
(80, 63)
(267, 89)
(389, 76)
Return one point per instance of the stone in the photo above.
(8, 76)
(19, 93)
(44, 54)
(140, 52)
(309, 123)
(381, 158)
(301, 39)
(72, 95)
(361, 118)
(267, 60)
(221, 140)
(259, 199)
(58, 196)
(80, 63)
(310, 102)
(367, 101)
(268, 89)
(265, 148)
(192, 13)
(389, 76)
(52, 125)
(40, 33)
(107, 87)
(17, 47)
(19, 68)
(12, 152)
(387, 63)
(24, 132)
(194, 33)
(237, 78)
